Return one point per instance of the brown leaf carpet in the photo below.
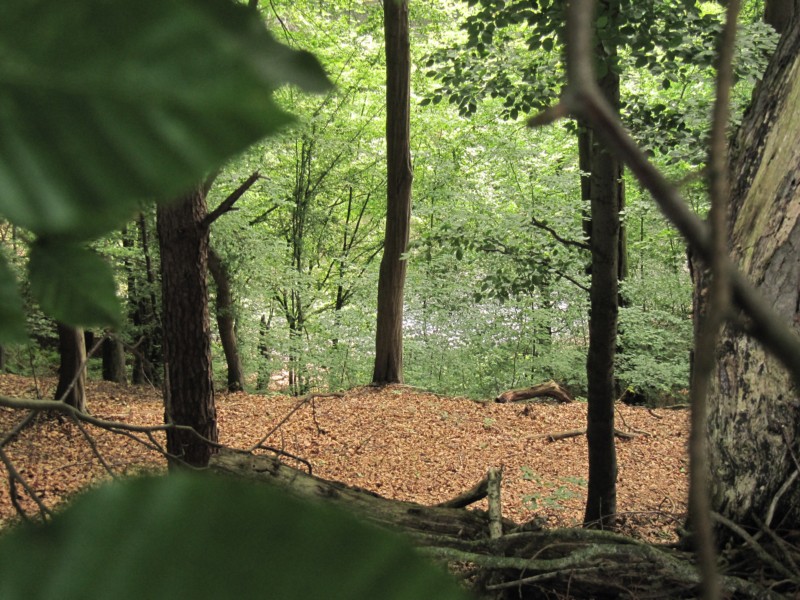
(396, 441)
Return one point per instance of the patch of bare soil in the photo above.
(397, 441)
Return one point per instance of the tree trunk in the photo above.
(606, 203)
(754, 413)
(72, 349)
(188, 389)
(389, 334)
(2, 358)
(226, 321)
(779, 13)
(263, 351)
(114, 360)
(143, 309)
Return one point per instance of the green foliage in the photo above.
(12, 317)
(201, 537)
(104, 105)
(73, 284)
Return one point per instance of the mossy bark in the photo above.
(754, 410)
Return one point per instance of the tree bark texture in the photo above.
(226, 320)
(606, 203)
(409, 516)
(188, 389)
(754, 410)
(114, 359)
(389, 333)
(779, 13)
(72, 350)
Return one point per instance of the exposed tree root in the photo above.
(526, 561)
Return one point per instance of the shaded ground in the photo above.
(397, 441)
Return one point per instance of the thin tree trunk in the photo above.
(391, 281)
(72, 350)
(226, 321)
(2, 358)
(189, 390)
(606, 198)
(263, 351)
(142, 310)
(114, 359)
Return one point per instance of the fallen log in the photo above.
(549, 389)
(525, 561)
(563, 435)
(439, 521)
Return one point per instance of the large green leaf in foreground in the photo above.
(106, 103)
(201, 538)
(73, 284)
(12, 317)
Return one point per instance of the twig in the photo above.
(631, 429)
(33, 372)
(93, 445)
(227, 204)
(14, 476)
(566, 242)
(757, 548)
(288, 455)
(18, 428)
(713, 318)
(302, 402)
(544, 577)
(54, 405)
(781, 491)
(781, 544)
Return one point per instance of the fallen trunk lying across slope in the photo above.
(524, 562)
(549, 389)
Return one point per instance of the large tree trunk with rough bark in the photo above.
(188, 387)
(754, 411)
(389, 334)
(72, 367)
(226, 321)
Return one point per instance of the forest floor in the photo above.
(397, 441)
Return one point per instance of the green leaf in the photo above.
(202, 537)
(72, 284)
(104, 104)
(12, 317)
